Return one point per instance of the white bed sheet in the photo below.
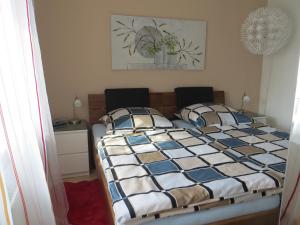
(206, 216)
(99, 130)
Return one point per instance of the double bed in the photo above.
(187, 175)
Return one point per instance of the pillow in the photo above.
(134, 119)
(201, 115)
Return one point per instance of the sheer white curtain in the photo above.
(290, 208)
(28, 161)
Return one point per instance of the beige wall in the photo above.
(280, 71)
(75, 43)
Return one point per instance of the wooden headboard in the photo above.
(165, 102)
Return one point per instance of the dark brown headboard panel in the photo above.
(165, 102)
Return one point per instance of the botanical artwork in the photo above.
(157, 43)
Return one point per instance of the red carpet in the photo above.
(87, 205)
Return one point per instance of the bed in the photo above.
(246, 210)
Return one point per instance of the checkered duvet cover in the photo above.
(160, 173)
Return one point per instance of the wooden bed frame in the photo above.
(166, 103)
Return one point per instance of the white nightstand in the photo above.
(72, 149)
(257, 118)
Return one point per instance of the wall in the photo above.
(76, 49)
(280, 72)
(293, 168)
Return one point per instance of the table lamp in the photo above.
(76, 104)
(245, 100)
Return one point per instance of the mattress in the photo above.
(99, 131)
(220, 213)
(189, 216)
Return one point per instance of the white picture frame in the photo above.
(150, 43)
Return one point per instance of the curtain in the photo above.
(290, 208)
(28, 160)
(6, 217)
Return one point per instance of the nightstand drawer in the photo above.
(71, 142)
(76, 164)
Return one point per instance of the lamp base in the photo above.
(75, 121)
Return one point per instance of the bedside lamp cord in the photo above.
(291, 197)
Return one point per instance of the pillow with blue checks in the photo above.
(201, 115)
(134, 119)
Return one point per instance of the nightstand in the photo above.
(72, 149)
(256, 117)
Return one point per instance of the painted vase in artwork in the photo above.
(159, 58)
(171, 59)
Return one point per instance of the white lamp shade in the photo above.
(246, 99)
(77, 103)
(265, 31)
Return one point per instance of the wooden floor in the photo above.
(92, 176)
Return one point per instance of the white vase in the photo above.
(171, 59)
(159, 58)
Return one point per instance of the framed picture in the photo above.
(140, 43)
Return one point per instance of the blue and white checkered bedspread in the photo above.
(156, 172)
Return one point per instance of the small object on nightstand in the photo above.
(72, 149)
(245, 100)
(76, 104)
(57, 123)
(256, 117)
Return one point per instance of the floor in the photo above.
(92, 176)
(86, 201)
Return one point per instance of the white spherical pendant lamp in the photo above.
(265, 31)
